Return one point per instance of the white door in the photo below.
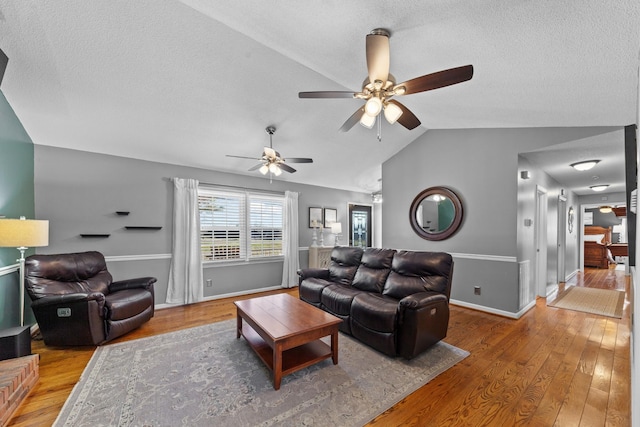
(541, 241)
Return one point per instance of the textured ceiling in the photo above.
(187, 82)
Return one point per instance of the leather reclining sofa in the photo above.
(394, 301)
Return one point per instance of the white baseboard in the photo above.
(221, 296)
(490, 310)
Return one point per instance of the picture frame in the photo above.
(330, 216)
(316, 220)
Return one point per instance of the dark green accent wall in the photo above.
(446, 212)
(16, 199)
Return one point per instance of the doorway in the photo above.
(360, 225)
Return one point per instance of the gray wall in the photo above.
(16, 199)
(79, 192)
(481, 166)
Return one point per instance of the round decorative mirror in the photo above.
(436, 213)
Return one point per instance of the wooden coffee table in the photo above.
(285, 333)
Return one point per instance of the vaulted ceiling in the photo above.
(187, 82)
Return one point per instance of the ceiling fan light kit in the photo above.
(380, 86)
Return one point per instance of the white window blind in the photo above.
(239, 225)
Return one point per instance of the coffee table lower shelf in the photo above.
(293, 359)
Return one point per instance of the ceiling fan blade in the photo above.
(258, 166)
(326, 94)
(407, 119)
(298, 160)
(378, 55)
(437, 80)
(243, 157)
(351, 121)
(286, 168)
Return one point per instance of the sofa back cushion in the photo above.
(61, 274)
(374, 268)
(344, 263)
(413, 272)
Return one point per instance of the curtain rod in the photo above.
(237, 187)
(242, 188)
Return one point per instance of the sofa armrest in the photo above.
(140, 282)
(55, 300)
(319, 273)
(421, 300)
(423, 321)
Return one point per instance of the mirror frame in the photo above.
(457, 219)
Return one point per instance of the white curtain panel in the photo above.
(290, 242)
(185, 274)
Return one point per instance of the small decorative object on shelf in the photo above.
(142, 227)
(122, 213)
(94, 235)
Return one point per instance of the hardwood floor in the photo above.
(550, 367)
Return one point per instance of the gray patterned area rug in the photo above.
(204, 376)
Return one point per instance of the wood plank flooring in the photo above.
(552, 367)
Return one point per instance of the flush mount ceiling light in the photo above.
(599, 187)
(606, 209)
(584, 165)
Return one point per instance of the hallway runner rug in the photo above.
(204, 376)
(605, 302)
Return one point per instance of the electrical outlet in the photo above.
(476, 290)
(209, 283)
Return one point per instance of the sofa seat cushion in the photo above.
(311, 290)
(337, 299)
(128, 303)
(373, 321)
(375, 312)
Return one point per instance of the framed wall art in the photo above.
(330, 216)
(315, 218)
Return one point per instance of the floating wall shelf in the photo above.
(94, 235)
(138, 227)
(122, 213)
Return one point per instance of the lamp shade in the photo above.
(28, 233)
(336, 228)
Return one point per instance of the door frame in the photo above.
(540, 245)
(562, 239)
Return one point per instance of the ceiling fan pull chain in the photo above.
(379, 129)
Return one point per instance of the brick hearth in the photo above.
(17, 378)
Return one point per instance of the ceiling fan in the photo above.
(271, 161)
(380, 86)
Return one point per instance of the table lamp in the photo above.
(336, 228)
(23, 234)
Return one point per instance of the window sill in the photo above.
(236, 263)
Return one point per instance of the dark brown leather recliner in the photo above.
(394, 301)
(76, 302)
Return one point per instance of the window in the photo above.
(239, 225)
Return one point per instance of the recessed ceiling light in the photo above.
(599, 187)
(584, 165)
